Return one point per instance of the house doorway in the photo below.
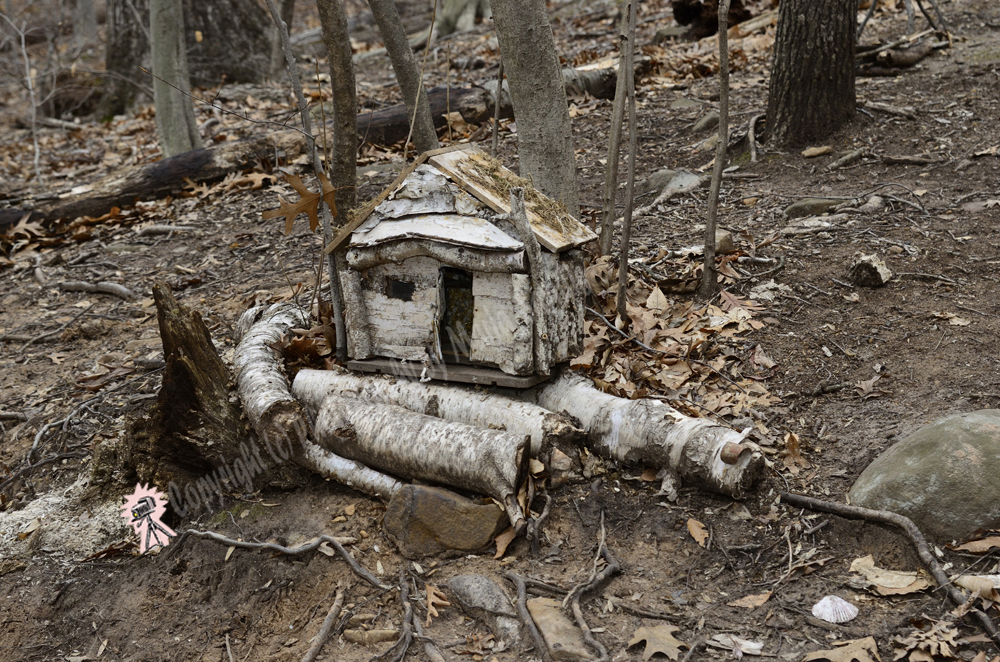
(457, 309)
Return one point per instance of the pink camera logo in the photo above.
(143, 510)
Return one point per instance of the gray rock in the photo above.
(707, 123)
(424, 520)
(482, 598)
(810, 207)
(655, 182)
(868, 271)
(672, 32)
(562, 636)
(944, 476)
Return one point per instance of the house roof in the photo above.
(418, 191)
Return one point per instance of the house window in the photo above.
(457, 312)
(399, 289)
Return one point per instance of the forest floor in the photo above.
(926, 336)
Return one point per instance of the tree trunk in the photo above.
(84, 23)
(544, 135)
(235, 47)
(811, 92)
(407, 74)
(344, 162)
(286, 9)
(175, 121)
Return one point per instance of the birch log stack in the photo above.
(276, 416)
(697, 451)
(452, 403)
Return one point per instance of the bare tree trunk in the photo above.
(343, 164)
(171, 87)
(286, 9)
(710, 278)
(544, 134)
(812, 93)
(407, 74)
(84, 23)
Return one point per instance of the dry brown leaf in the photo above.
(791, 456)
(985, 586)
(981, 545)
(939, 640)
(866, 389)
(751, 601)
(888, 582)
(855, 650)
(659, 639)
(697, 531)
(731, 301)
(308, 203)
(435, 599)
(503, 541)
(657, 301)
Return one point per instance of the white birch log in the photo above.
(275, 414)
(452, 403)
(700, 452)
(404, 443)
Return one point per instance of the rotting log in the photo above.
(452, 403)
(412, 445)
(697, 451)
(276, 415)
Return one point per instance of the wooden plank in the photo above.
(446, 372)
(555, 234)
(370, 206)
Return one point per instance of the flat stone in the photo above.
(806, 226)
(810, 207)
(684, 103)
(943, 476)
(423, 521)
(482, 598)
(868, 271)
(708, 122)
(655, 182)
(562, 636)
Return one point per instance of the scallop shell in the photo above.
(834, 610)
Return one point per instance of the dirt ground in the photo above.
(926, 335)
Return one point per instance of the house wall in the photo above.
(564, 302)
(401, 328)
(502, 322)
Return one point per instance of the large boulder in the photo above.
(945, 476)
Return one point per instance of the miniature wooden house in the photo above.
(440, 284)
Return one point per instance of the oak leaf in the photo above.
(697, 531)
(981, 545)
(435, 599)
(791, 457)
(730, 301)
(307, 204)
(659, 639)
(855, 650)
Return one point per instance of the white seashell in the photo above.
(834, 610)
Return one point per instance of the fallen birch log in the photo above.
(275, 415)
(412, 445)
(452, 403)
(699, 452)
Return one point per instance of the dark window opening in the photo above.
(399, 289)
(456, 319)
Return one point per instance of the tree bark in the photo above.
(84, 22)
(811, 93)
(175, 121)
(344, 162)
(278, 67)
(235, 47)
(544, 133)
(404, 65)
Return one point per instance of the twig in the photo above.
(753, 138)
(496, 110)
(587, 634)
(13, 416)
(281, 549)
(31, 95)
(633, 138)
(596, 578)
(398, 650)
(918, 274)
(229, 651)
(911, 530)
(326, 629)
(119, 291)
(614, 146)
(535, 526)
(522, 610)
(710, 279)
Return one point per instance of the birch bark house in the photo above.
(443, 283)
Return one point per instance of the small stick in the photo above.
(710, 279)
(522, 609)
(97, 288)
(290, 551)
(50, 334)
(633, 130)
(398, 650)
(324, 632)
(229, 651)
(164, 229)
(614, 146)
(535, 526)
(911, 530)
(496, 110)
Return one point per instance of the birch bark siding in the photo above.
(649, 431)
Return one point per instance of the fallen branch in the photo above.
(97, 288)
(404, 443)
(646, 430)
(522, 609)
(310, 546)
(452, 403)
(326, 629)
(906, 524)
(275, 414)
